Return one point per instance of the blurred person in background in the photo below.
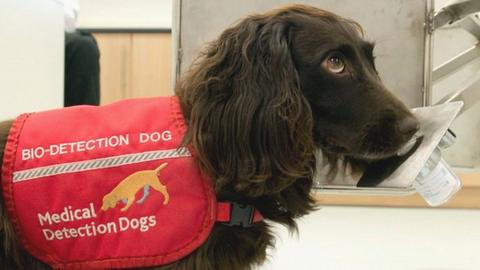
(82, 68)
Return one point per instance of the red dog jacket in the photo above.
(107, 187)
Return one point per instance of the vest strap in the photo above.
(237, 214)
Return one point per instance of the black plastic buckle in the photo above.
(241, 215)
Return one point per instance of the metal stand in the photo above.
(461, 14)
(456, 12)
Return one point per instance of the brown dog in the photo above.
(259, 101)
(128, 188)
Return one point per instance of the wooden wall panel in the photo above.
(151, 65)
(115, 65)
(134, 65)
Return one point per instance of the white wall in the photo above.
(31, 56)
(125, 14)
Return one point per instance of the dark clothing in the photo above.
(82, 70)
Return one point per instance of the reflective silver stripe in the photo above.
(99, 163)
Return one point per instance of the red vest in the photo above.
(107, 187)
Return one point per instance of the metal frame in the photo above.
(455, 12)
(472, 25)
(469, 95)
(176, 41)
(428, 60)
(460, 12)
(456, 62)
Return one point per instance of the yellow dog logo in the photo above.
(125, 191)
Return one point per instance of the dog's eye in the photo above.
(334, 63)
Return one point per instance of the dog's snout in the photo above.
(408, 126)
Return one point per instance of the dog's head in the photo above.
(354, 114)
(275, 86)
(109, 201)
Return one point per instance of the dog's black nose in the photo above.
(408, 125)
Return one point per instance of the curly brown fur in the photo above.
(258, 101)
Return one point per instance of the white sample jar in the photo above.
(436, 182)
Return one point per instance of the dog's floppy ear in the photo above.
(248, 120)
